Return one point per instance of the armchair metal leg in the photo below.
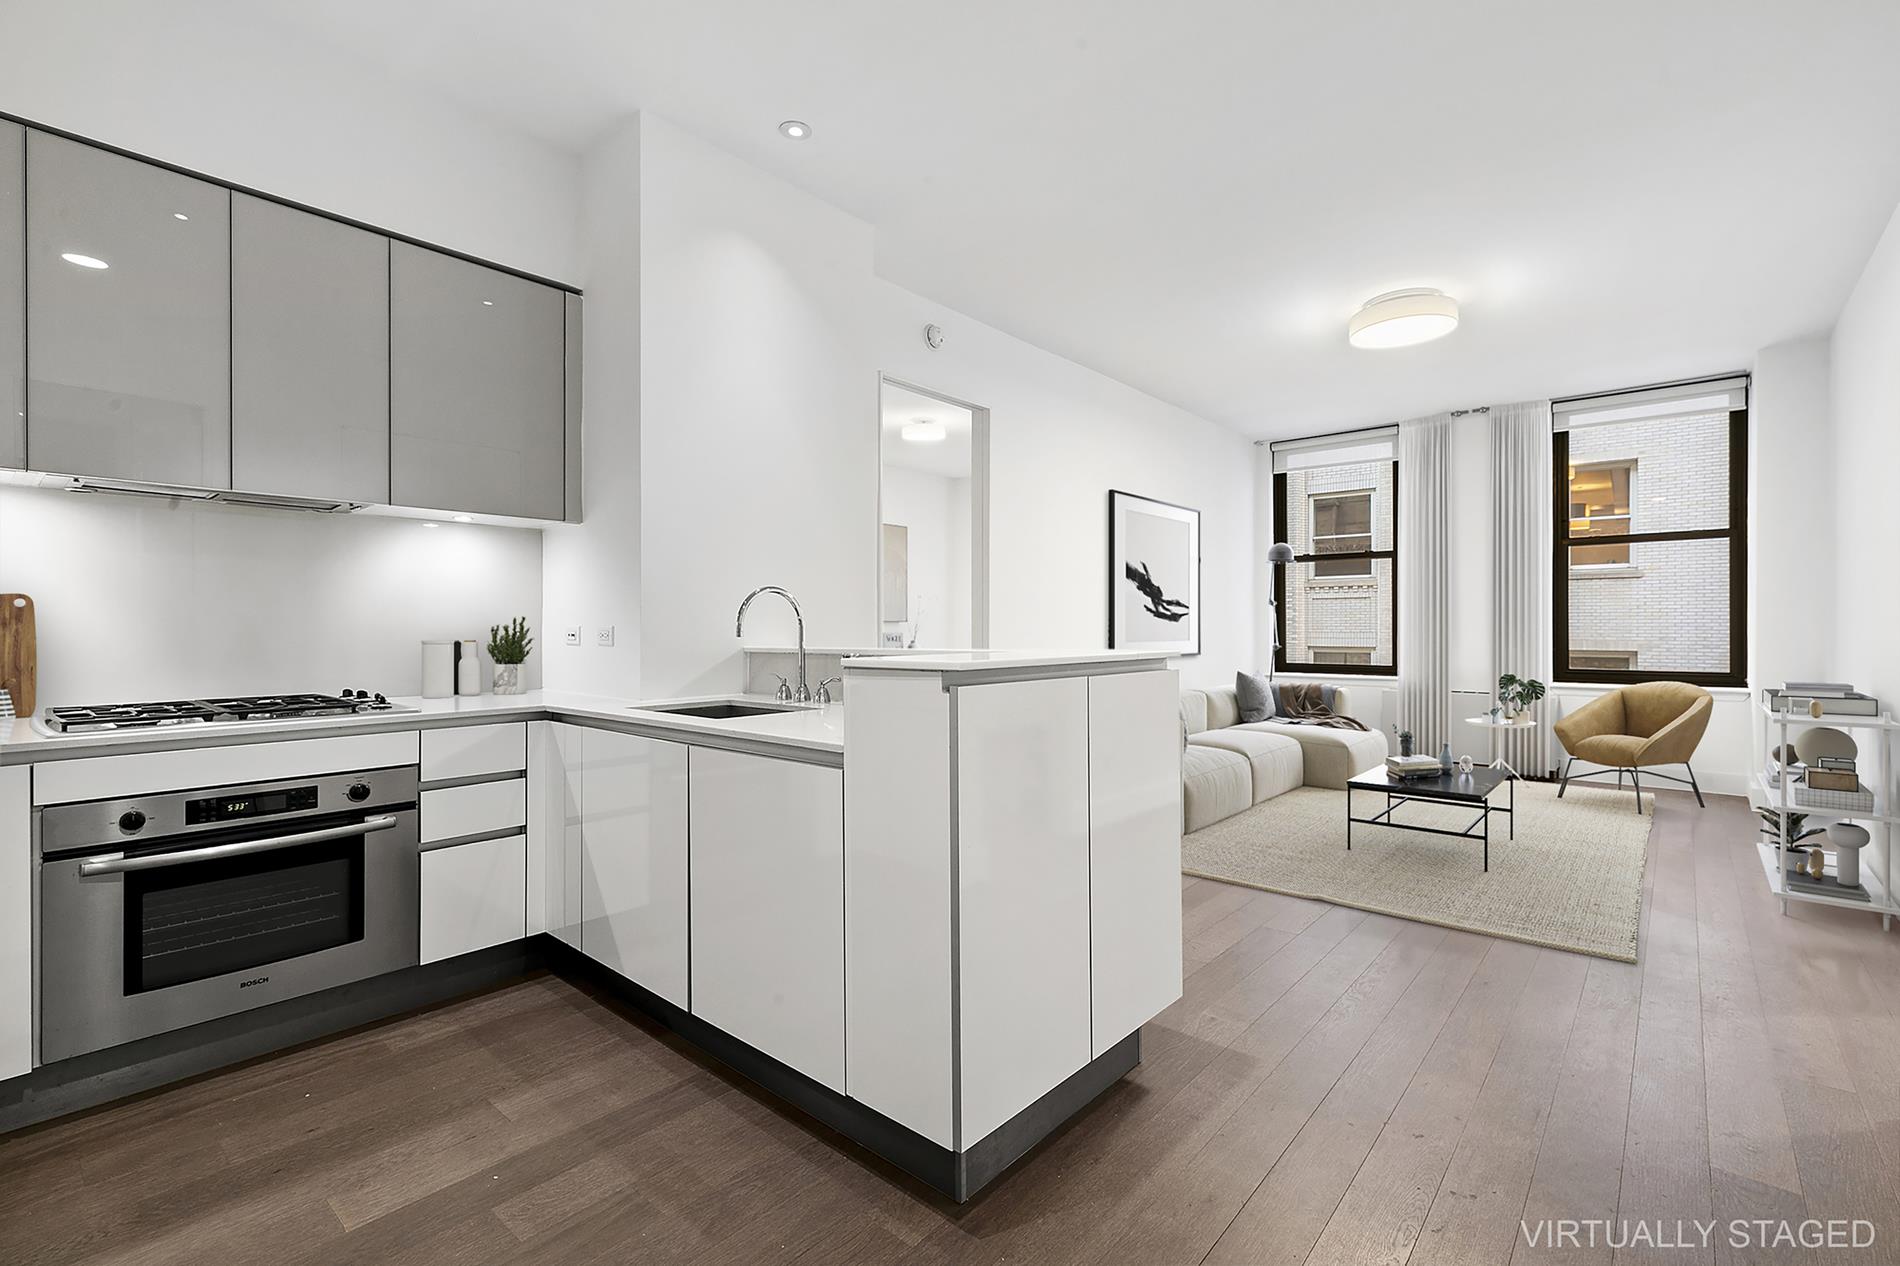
(1700, 804)
(1637, 780)
(1564, 785)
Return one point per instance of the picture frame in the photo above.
(1154, 575)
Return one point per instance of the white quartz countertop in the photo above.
(809, 729)
(984, 661)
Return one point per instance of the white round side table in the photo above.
(1498, 726)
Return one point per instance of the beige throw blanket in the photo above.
(1305, 703)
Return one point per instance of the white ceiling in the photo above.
(1194, 197)
(949, 459)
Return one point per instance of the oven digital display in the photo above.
(229, 808)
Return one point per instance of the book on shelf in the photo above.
(1826, 886)
(1814, 689)
(1849, 705)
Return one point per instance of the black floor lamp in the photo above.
(1278, 555)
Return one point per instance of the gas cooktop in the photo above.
(145, 716)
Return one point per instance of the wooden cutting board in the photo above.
(18, 664)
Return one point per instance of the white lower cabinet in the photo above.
(768, 906)
(473, 896)
(632, 800)
(554, 830)
(16, 922)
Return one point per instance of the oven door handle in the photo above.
(119, 863)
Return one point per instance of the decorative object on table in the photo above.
(1821, 779)
(1847, 839)
(1517, 694)
(438, 670)
(1405, 742)
(1634, 729)
(19, 666)
(1496, 711)
(1154, 576)
(1279, 555)
(1306, 703)
(1465, 765)
(1444, 758)
(1817, 862)
(468, 666)
(1816, 743)
(508, 646)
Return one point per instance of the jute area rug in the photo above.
(1572, 879)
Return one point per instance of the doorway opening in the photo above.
(933, 520)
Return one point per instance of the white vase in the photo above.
(507, 679)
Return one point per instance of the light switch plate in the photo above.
(604, 636)
(573, 636)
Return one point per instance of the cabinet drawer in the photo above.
(477, 809)
(474, 896)
(469, 751)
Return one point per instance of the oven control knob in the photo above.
(132, 821)
(358, 791)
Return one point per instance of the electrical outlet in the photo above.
(604, 636)
(573, 636)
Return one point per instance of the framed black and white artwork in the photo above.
(1154, 576)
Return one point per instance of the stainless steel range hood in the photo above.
(222, 496)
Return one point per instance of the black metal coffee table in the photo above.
(1472, 790)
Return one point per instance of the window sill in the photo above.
(1303, 675)
(1599, 687)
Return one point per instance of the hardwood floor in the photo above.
(1333, 1087)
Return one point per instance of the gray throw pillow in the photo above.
(1254, 696)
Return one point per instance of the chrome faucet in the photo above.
(802, 694)
(824, 688)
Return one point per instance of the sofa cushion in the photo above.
(1194, 711)
(1330, 756)
(1223, 709)
(1215, 784)
(1277, 761)
(1254, 697)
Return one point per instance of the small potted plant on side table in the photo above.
(508, 646)
(1517, 694)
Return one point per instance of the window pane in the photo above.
(1315, 510)
(1666, 612)
(1650, 475)
(1339, 615)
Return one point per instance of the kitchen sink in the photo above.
(718, 711)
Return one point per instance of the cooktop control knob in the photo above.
(358, 791)
(132, 821)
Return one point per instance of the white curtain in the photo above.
(1424, 545)
(1521, 492)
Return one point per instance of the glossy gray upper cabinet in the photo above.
(477, 392)
(129, 302)
(12, 294)
(309, 354)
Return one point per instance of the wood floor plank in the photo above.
(1381, 1214)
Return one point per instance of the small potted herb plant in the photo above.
(1517, 694)
(508, 646)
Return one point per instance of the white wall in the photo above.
(762, 333)
(141, 599)
(182, 82)
(1866, 455)
(1791, 468)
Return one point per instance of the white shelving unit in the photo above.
(1775, 730)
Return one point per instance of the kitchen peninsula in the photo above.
(937, 929)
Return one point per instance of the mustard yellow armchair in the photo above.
(1637, 728)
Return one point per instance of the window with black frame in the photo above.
(1335, 608)
(1651, 558)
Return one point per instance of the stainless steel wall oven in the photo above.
(162, 911)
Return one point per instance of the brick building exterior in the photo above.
(1342, 618)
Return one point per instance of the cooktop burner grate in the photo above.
(141, 716)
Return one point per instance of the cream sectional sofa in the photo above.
(1230, 765)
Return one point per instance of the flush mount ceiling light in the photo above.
(924, 431)
(1400, 318)
(795, 130)
(84, 261)
(180, 215)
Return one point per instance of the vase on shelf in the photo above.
(507, 679)
(1444, 758)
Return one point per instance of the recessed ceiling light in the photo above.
(488, 303)
(464, 518)
(794, 129)
(431, 524)
(84, 261)
(180, 215)
(924, 431)
(1401, 318)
